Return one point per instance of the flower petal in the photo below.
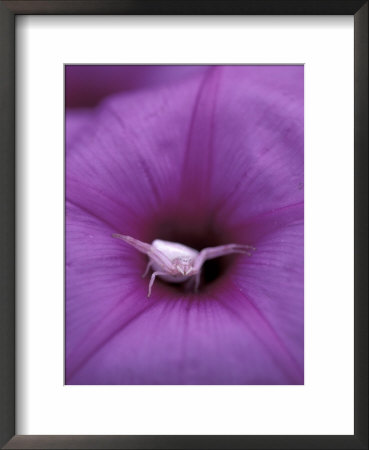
(258, 135)
(101, 274)
(247, 328)
(125, 166)
(272, 281)
(190, 342)
(75, 122)
(245, 147)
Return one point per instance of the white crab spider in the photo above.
(176, 262)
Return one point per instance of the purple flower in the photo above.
(211, 159)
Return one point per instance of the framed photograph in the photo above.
(184, 224)
(208, 207)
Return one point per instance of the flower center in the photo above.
(198, 237)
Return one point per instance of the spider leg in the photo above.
(147, 269)
(157, 257)
(153, 253)
(138, 245)
(215, 252)
(153, 276)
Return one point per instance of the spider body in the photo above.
(182, 258)
(177, 263)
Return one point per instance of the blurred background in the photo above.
(87, 85)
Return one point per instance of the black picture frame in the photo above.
(8, 12)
